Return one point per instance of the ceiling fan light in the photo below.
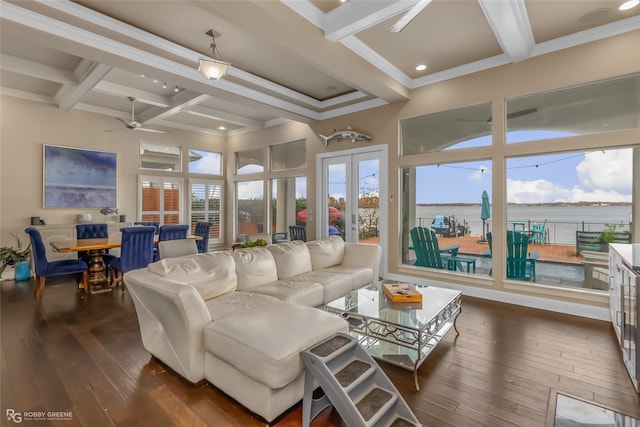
(212, 68)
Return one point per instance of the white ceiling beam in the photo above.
(177, 103)
(80, 42)
(191, 128)
(213, 114)
(29, 96)
(36, 70)
(355, 16)
(167, 46)
(510, 24)
(89, 74)
(122, 91)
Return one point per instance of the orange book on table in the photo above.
(401, 292)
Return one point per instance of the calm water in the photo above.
(562, 221)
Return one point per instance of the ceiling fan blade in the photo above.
(409, 16)
(112, 130)
(151, 130)
(521, 113)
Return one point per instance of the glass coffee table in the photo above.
(402, 333)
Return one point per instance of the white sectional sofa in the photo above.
(239, 319)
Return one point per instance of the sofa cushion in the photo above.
(265, 345)
(334, 285)
(304, 293)
(360, 276)
(292, 258)
(237, 303)
(211, 274)
(326, 252)
(254, 267)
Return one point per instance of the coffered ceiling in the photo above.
(291, 59)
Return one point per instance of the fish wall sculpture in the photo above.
(348, 133)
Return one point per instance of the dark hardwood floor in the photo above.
(83, 353)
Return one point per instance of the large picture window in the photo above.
(206, 205)
(559, 200)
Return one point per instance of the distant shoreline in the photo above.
(555, 204)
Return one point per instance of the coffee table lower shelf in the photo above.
(375, 338)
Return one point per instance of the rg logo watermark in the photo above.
(14, 416)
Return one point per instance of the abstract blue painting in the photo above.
(74, 177)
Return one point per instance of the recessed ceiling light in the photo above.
(221, 128)
(629, 4)
(421, 67)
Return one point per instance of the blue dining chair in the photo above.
(155, 224)
(170, 232)
(45, 268)
(93, 231)
(136, 252)
(203, 229)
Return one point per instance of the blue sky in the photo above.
(567, 177)
(604, 176)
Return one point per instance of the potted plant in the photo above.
(608, 235)
(249, 244)
(18, 258)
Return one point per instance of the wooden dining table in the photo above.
(96, 248)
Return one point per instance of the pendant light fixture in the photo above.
(210, 67)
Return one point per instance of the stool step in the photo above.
(330, 346)
(353, 383)
(373, 402)
(352, 372)
(401, 422)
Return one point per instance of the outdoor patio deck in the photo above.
(550, 253)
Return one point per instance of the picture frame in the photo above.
(78, 178)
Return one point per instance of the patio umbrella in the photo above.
(485, 214)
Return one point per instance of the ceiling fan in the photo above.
(133, 124)
(510, 116)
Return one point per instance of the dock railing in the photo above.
(556, 233)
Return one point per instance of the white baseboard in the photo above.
(574, 309)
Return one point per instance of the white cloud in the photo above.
(536, 191)
(603, 177)
(608, 170)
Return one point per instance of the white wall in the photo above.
(25, 126)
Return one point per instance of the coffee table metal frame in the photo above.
(415, 328)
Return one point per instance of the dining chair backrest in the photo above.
(172, 232)
(298, 232)
(91, 231)
(38, 251)
(177, 248)
(137, 247)
(155, 224)
(203, 229)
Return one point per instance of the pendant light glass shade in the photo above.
(212, 68)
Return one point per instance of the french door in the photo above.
(352, 200)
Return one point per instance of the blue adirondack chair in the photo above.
(428, 253)
(521, 265)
